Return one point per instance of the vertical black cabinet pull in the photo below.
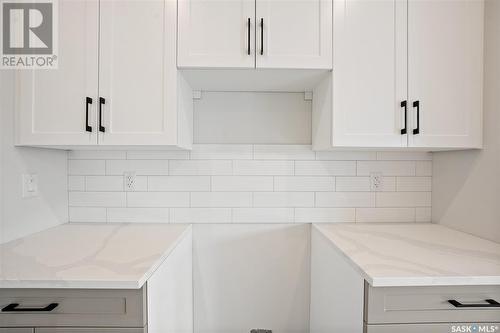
(404, 105)
(261, 36)
(249, 27)
(14, 307)
(416, 104)
(88, 102)
(102, 101)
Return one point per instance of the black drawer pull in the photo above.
(404, 105)
(88, 101)
(102, 101)
(261, 36)
(416, 104)
(490, 303)
(249, 36)
(13, 307)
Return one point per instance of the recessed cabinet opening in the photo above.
(252, 118)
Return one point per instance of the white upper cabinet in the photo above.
(133, 77)
(445, 69)
(369, 76)
(406, 73)
(216, 33)
(295, 34)
(117, 82)
(57, 105)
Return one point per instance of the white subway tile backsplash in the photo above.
(283, 199)
(325, 168)
(86, 167)
(424, 168)
(179, 183)
(243, 183)
(104, 183)
(201, 167)
(76, 183)
(200, 215)
(138, 215)
(283, 152)
(158, 155)
(345, 199)
(414, 184)
(404, 156)
(221, 199)
(221, 152)
(304, 183)
(140, 167)
(158, 199)
(87, 214)
(386, 168)
(97, 199)
(97, 155)
(325, 215)
(263, 215)
(345, 155)
(403, 199)
(385, 214)
(260, 167)
(424, 214)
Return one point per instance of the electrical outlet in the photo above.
(129, 181)
(376, 181)
(30, 185)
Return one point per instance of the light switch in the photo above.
(30, 185)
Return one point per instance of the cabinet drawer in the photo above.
(16, 330)
(429, 304)
(75, 307)
(89, 330)
(427, 328)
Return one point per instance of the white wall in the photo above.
(18, 216)
(466, 185)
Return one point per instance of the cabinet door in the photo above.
(445, 71)
(369, 73)
(216, 33)
(51, 103)
(137, 78)
(294, 34)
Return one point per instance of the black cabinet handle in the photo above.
(490, 303)
(261, 36)
(416, 104)
(249, 27)
(13, 307)
(102, 101)
(88, 102)
(404, 104)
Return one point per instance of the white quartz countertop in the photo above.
(102, 256)
(390, 255)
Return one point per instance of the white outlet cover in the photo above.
(376, 181)
(29, 185)
(129, 181)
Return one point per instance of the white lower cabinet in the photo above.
(163, 305)
(341, 300)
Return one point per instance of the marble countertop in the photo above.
(94, 256)
(390, 255)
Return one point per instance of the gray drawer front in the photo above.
(16, 330)
(77, 308)
(90, 330)
(422, 328)
(429, 304)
